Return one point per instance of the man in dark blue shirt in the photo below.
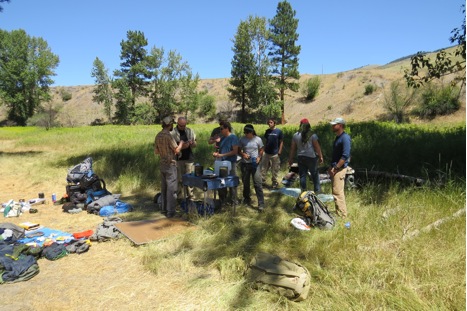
(274, 140)
(339, 162)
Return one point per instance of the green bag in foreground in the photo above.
(274, 274)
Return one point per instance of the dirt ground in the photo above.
(110, 276)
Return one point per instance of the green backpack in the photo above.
(274, 274)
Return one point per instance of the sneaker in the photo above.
(260, 208)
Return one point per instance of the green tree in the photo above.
(284, 53)
(26, 67)
(173, 86)
(103, 87)
(242, 67)
(250, 85)
(1, 1)
(133, 69)
(444, 64)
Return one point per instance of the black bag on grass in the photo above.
(316, 213)
(78, 171)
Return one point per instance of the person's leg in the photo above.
(188, 169)
(172, 186)
(180, 172)
(302, 171)
(315, 174)
(258, 188)
(163, 190)
(246, 169)
(264, 165)
(338, 182)
(233, 190)
(275, 167)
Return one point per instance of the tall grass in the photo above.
(405, 249)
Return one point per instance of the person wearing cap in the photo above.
(305, 144)
(228, 151)
(251, 151)
(274, 139)
(185, 160)
(167, 149)
(339, 162)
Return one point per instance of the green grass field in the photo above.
(405, 249)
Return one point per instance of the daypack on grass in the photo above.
(78, 171)
(274, 274)
(316, 213)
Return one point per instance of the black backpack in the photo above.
(316, 212)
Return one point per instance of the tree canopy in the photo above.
(26, 67)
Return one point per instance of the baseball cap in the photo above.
(304, 121)
(168, 120)
(337, 121)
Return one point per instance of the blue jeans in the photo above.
(305, 165)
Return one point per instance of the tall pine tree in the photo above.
(284, 53)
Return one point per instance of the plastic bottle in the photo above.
(54, 197)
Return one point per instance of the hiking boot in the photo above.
(246, 201)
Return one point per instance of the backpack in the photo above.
(78, 171)
(274, 274)
(316, 213)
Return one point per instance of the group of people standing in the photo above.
(174, 145)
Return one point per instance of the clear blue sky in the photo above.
(335, 36)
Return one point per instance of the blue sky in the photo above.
(335, 36)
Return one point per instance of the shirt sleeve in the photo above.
(346, 147)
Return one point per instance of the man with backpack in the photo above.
(339, 162)
(166, 147)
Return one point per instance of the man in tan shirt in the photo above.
(166, 147)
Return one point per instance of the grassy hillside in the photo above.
(340, 94)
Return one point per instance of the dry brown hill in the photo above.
(340, 94)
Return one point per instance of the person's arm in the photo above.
(232, 152)
(293, 149)
(281, 144)
(318, 152)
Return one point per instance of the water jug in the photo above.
(218, 164)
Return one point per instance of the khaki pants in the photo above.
(338, 184)
(270, 161)
(184, 167)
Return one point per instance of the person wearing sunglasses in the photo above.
(228, 151)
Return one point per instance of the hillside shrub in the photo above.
(397, 101)
(438, 100)
(66, 96)
(369, 89)
(310, 88)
